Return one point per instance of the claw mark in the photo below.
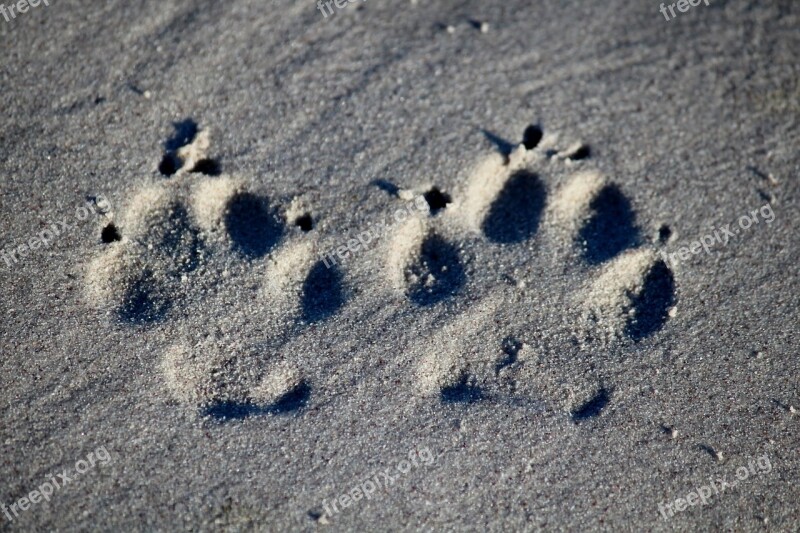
(593, 407)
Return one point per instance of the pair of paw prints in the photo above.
(185, 239)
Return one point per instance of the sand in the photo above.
(407, 267)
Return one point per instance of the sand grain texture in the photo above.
(525, 328)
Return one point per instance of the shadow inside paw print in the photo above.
(463, 391)
(593, 407)
(171, 240)
(514, 216)
(179, 240)
(323, 292)
(437, 274)
(144, 301)
(253, 227)
(652, 304)
(293, 402)
(611, 228)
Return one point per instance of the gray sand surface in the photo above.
(531, 353)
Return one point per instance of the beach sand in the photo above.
(409, 266)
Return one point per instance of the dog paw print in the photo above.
(184, 240)
(546, 211)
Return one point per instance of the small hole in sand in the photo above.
(304, 222)
(532, 136)
(664, 233)
(437, 200)
(583, 152)
(110, 234)
(169, 165)
(209, 167)
(511, 348)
